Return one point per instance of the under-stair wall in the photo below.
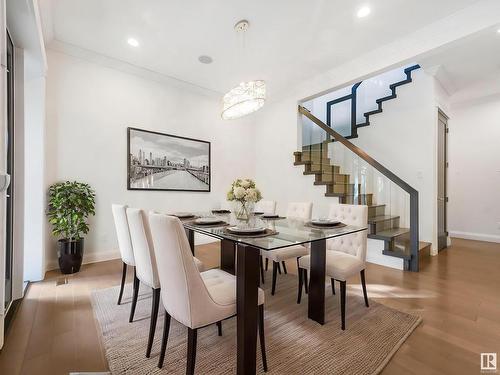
(403, 138)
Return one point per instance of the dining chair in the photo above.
(266, 207)
(345, 255)
(124, 243)
(146, 270)
(193, 298)
(301, 212)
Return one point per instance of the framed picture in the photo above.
(158, 161)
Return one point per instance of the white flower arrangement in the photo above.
(243, 190)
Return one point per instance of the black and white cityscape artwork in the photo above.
(158, 161)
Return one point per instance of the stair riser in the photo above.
(366, 199)
(376, 211)
(341, 188)
(337, 178)
(319, 159)
(383, 225)
(323, 166)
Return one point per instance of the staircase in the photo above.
(353, 97)
(314, 159)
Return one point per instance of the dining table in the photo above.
(240, 256)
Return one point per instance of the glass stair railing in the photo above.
(351, 175)
(348, 109)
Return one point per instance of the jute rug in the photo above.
(295, 344)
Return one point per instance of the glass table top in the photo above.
(289, 232)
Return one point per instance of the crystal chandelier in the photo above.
(247, 97)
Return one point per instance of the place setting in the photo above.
(324, 223)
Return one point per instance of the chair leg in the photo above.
(284, 267)
(267, 264)
(261, 265)
(219, 328)
(134, 297)
(164, 340)
(363, 283)
(154, 316)
(275, 274)
(332, 281)
(301, 281)
(122, 285)
(306, 283)
(262, 337)
(191, 351)
(279, 268)
(342, 302)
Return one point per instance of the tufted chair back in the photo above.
(267, 207)
(123, 233)
(299, 210)
(353, 244)
(142, 244)
(187, 299)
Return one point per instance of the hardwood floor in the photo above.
(456, 293)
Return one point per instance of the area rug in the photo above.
(295, 344)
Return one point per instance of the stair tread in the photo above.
(376, 219)
(400, 83)
(376, 205)
(389, 234)
(386, 98)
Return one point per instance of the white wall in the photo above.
(474, 172)
(34, 198)
(89, 108)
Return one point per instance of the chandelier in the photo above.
(244, 99)
(248, 96)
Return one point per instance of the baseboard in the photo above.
(475, 236)
(101, 256)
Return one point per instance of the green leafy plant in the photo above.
(69, 206)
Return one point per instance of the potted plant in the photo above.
(69, 206)
(244, 194)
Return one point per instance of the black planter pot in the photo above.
(70, 255)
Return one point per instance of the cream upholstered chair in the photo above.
(300, 211)
(192, 298)
(124, 242)
(146, 270)
(145, 265)
(345, 255)
(266, 207)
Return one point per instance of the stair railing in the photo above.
(413, 193)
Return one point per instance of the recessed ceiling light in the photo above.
(363, 11)
(498, 31)
(204, 59)
(133, 42)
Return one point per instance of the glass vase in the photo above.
(243, 210)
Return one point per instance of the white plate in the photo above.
(208, 220)
(183, 214)
(324, 222)
(246, 230)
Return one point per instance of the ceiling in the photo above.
(288, 40)
(467, 62)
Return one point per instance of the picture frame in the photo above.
(165, 162)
